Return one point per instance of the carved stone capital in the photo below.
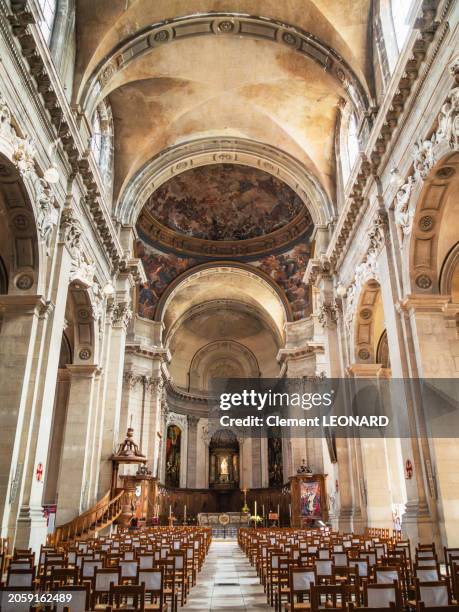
(317, 269)
(122, 314)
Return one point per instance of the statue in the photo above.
(224, 467)
(129, 448)
(304, 469)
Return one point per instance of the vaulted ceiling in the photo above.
(176, 71)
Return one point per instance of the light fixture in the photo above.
(341, 291)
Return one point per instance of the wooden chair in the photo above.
(335, 596)
(128, 598)
(154, 588)
(80, 601)
(101, 585)
(300, 581)
(21, 578)
(381, 595)
(450, 608)
(14, 606)
(433, 593)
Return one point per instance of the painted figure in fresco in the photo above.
(173, 456)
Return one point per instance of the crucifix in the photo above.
(245, 508)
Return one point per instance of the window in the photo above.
(352, 141)
(349, 143)
(400, 11)
(96, 141)
(48, 14)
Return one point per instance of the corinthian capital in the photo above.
(122, 314)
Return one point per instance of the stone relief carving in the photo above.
(327, 314)
(425, 155)
(367, 270)
(122, 314)
(403, 215)
(47, 211)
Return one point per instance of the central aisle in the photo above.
(227, 582)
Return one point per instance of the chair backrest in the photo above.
(324, 553)
(340, 559)
(362, 565)
(103, 578)
(89, 567)
(335, 596)
(152, 578)
(20, 578)
(427, 574)
(433, 593)
(301, 579)
(79, 601)
(420, 561)
(386, 575)
(146, 561)
(10, 600)
(324, 567)
(128, 569)
(380, 595)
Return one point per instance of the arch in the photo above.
(19, 236)
(429, 241)
(259, 290)
(238, 357)
(449, 274)
(369, 326)
(85, 336)
(219, 24)
(206, 151)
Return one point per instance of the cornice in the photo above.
(148, 351)
(388, 119)
(280, 239)
(45, 85)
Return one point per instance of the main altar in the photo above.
(224, 519)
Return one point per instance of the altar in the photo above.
(224, 519)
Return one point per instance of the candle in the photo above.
(278, 514)
(255, 513)
(170, 511)
(263, 511)
(184, 514)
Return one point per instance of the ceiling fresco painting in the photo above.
(285, 269)
(224, 202)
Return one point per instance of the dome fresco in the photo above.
(224, 202)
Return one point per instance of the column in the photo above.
(192, 450)
(433, 321)
(18, 337)
(113, 381)
(73, 485)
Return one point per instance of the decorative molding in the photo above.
(204, 151)
(210, 24)
(122, 315)
(370, 162)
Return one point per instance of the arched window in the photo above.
(48, 15)
(400, 10)
(96, 141)
(349, 143)
(394, 16)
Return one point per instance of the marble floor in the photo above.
(227, 582)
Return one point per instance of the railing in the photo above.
(96, 518)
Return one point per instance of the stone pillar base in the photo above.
(31, 529)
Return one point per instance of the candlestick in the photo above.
(278, 515)
(184, 514)
(255, 513)
(170, 511)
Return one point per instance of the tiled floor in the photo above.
(227, 582)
